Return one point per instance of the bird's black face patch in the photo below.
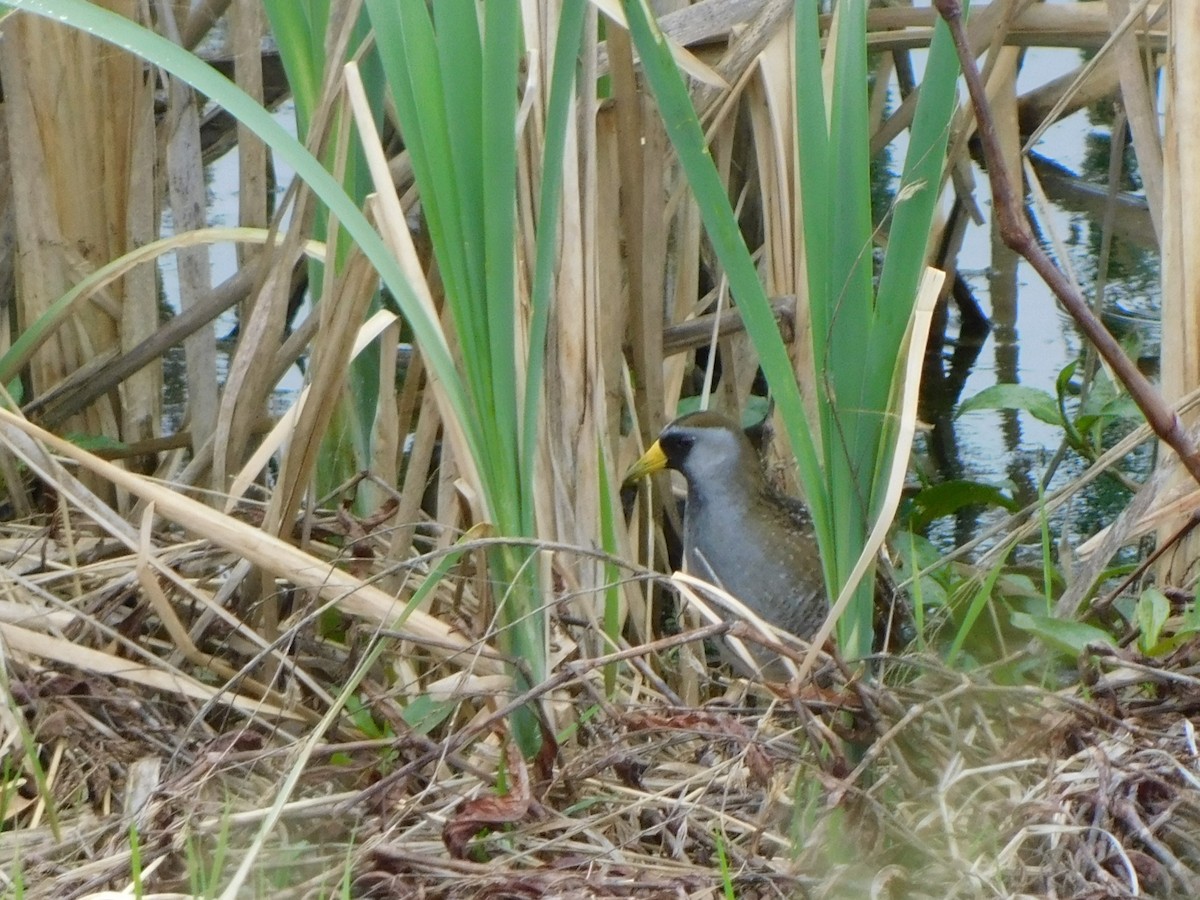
(675, 446)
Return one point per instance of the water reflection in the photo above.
(1032, 339)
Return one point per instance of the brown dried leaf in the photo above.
(474, 815)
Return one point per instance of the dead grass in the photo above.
(157, 737)
(924, 782)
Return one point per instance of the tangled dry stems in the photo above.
(919, 782)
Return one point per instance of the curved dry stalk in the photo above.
(281, 559)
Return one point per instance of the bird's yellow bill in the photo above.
(654, 460)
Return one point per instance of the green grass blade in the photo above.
(498, 172)
(558, 121)
(687, 138)
(919, 185)
(460, 60)
(850, 322)
(299, 29)
(454, 78)
(812, 148)
(850, 294)
(408, 47)
(853, 427)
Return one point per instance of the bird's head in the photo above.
(705, 446)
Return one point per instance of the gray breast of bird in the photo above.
(741, 534)
(766, 556)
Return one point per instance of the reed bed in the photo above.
(403, 633)
(158, 767)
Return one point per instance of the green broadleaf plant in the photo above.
(1062, 635)
(1153, 609)
(1042, 405)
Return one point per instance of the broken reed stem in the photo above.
(1017, 234)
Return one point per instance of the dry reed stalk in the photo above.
(197, 19)
(273, 555)
(771, 101)
(738, 367)
(422, 422)
(573, 441)
(638, 137)
(250, 381)
(245, 35)
(1083, 24)
(142, 393)
(1132, 23)
(388, 432)
(631, 148)
(1068, 93)
(80, 123)
(348, 295)
(188, 197)
(290, 434)
(1140, 108)
(1180, 233)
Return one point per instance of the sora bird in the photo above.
(739, 533)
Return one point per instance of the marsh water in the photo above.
(1031, 339)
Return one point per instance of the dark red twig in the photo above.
(1016, 232)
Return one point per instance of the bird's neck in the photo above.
(746, 486)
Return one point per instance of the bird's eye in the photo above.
(684, 441)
